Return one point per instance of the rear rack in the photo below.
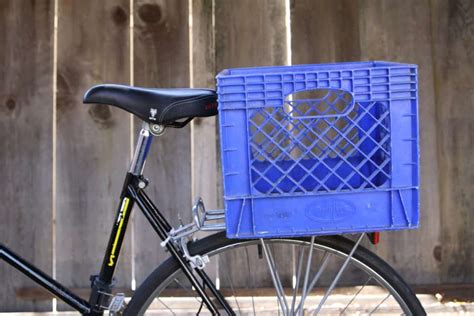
(203, 220)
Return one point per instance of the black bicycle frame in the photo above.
(132, 193)
(44, 280)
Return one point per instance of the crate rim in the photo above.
(264, 70)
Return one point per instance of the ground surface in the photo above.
(431, 303)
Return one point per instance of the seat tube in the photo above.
(103, 282)
(126, 203)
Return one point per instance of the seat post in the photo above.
(141, 150)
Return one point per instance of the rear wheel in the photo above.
(284, 276)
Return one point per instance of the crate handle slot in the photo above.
(319, 103)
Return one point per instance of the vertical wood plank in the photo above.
(324, 31)
(401, 32)
(26, 99)
(93, 141)
(453, 43)
(248, 34)
(161, 60)
(204, 132)
(204, 160)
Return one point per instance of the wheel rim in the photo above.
(293, 300)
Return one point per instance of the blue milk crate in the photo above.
(319, 149)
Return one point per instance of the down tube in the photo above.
(44, 280)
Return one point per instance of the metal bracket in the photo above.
(117, 304)
(202, 221)
(101, 293)
(196, 261)
(207, 220)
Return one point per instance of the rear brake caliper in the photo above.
(196, 261)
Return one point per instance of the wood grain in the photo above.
(387, 32)
(249, 34)
(161, 60)
(26, 100)
(453, 51)
(93, 141)
(206, 180)
(204, 159)
(324, 31)
(337, 31)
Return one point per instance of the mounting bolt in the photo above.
(142, 182)
(157, 129)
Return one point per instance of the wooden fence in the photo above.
(62, 163)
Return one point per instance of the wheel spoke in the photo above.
(191, 294)
(251, 280)
(306, 276)
(166, 306)
(378, 305)
(275, 278)
(279, 306)
(298, 275)
(322, 266)
(308, 268)
(355, 295)
(229, 279)
(277, 275)
(338, 275)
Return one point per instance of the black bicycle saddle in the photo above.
(156, 106)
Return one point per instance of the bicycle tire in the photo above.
(147, 290)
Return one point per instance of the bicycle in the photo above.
(183, 284)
